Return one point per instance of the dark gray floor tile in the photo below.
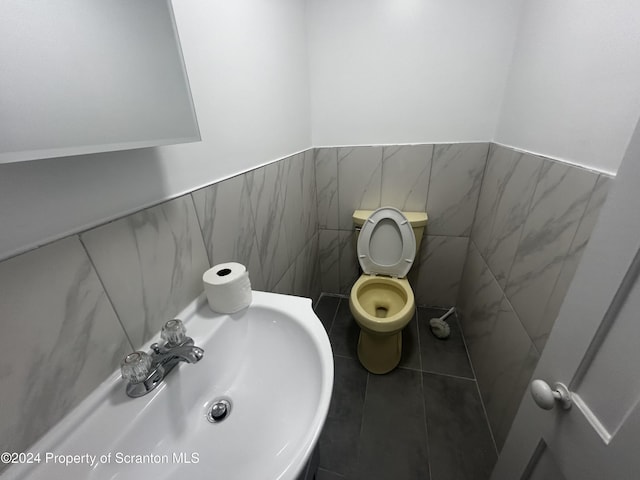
(338, 443)
(460, 445)
(410, 345)
(326, 310)
(323, 474)
(382, 435)
(448, 356)
(393, 443)
(344, 332)
(349, 384)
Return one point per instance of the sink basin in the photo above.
(272, 362)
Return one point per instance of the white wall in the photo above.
(574, 86)
(408, 71)
(381, 71)
(248, 70)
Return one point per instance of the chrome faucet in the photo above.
(144, 371)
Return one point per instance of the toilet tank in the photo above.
(418, 221)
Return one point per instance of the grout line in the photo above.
(484, 409)
(331, 472)
(106, 292)
(382, 173)
(337, 159)
(337, 295)
(514, 311)
(555, 159)
(293, 265)
(458, 377)
(339, 355)
(433, 156)
(505, 298)
(430, 372)
(417, 316)
(433, 307)
(426, 234)
(562, 161)
(284, 274)
(530, 207)
(562, 266)
(247, 190)
(364, 402)
(484, 172)
(333, 319)
(426, 423)
(424, 399)
(315, 305)
(200, 223)
(494, 207)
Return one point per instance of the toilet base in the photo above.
(379, 354)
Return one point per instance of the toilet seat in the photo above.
(387, 244)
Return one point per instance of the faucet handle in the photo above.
(135, 367)
(174, 332)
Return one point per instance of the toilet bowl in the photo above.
(382, 307)
(381, 300)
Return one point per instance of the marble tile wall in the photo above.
(72, 309)
(443, 180)
(61, 338)
(534, 218)
(150, 263)
(505, 234)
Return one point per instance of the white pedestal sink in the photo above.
(272, 361)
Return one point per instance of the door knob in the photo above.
(546, 398)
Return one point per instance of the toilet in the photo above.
(381, 300)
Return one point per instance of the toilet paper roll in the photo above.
(227, 287)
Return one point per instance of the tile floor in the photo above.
(424, 420)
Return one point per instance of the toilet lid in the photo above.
(387, 244)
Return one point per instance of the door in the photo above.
(594, 349)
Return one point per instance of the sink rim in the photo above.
(202, 329)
